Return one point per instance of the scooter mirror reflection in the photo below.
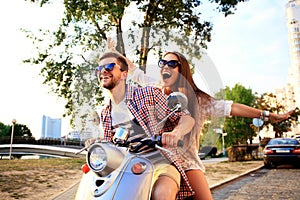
(177, 99)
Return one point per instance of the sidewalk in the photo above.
(214, 160)
(218, 172)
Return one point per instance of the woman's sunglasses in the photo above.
(170, 63)
(108, 67)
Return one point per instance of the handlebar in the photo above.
(142, 144)
(151, 142)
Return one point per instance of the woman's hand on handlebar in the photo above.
(169, 139)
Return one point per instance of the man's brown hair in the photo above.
(119, 57)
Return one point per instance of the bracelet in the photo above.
(266, 115)
(261, 115)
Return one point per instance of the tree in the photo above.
(4, 130)
(270, 102)
(238, 128)
(87, 23)
(20, 130)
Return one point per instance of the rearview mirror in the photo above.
(177, 100)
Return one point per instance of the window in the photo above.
(295, 49)
(295, 29)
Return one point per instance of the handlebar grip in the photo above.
(180, 143)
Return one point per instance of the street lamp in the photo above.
(12, 136)
(223, 142)
(258, 123)
(220, 131)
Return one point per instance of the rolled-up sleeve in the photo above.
(221, 108)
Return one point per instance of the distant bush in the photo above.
(244, 152)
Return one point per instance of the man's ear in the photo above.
(124, 74)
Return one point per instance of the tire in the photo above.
(268, 165)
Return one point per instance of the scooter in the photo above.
(120, 170)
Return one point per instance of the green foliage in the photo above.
(20, 130)
(4, 130)
(238, 128)
(87, 24)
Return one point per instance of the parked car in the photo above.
(297, 137)
(281, 151)
(207, 151)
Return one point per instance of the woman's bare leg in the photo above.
(199, 184)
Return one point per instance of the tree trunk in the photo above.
(120, 42)
(144, 49)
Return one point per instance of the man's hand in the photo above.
(110, 44)
(111, 47)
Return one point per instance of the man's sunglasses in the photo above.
(171, 63)
(108, 67)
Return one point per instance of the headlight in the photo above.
(104, 157)
(97, 158)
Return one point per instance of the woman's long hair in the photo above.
(199, 102)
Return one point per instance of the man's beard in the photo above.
(112, 84)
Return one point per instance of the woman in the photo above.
(176, 76)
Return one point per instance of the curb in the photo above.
(214, 186)
(71, 191)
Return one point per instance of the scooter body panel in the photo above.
(120, 184)
(135, 186)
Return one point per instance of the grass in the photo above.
(19, 177)
(47, 164)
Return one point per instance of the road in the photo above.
(277, 184)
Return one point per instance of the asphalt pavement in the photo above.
(275, 184)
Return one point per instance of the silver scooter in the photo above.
(119, 170)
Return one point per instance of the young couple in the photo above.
(145, 106)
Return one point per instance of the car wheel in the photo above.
(268, 165)
(297, 165)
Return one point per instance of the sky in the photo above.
(249, 48)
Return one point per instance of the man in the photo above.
(142, 107)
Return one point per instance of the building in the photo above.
(73, 135)
(293, 85)
(51, 127)
(81, 136)
(293, 20)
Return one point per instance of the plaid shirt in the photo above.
(149, 106)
